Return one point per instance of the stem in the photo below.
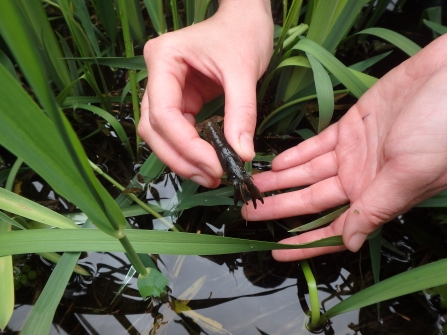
(313, 294)
(133, 197)
(133, 256)
(132, 73)
(174, 14)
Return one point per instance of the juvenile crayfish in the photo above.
(230, 161)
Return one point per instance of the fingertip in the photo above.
(247, 146)
(355, 242)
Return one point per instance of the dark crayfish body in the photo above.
(230, 161)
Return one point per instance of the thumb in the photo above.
(387, 196)
(240, 115)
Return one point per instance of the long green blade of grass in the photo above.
(136, 21)
(47, 42)
(16, 204)
(438, 28)
(144, 241)
(155, 10)
(107, 15)
(400, 41)
(333, 65)
(41, 316)
(84, 16)
(114, 123)
(131, 63)
(36, 141)
(7, 286)
(200, 8)
(325, 93)
(414, 280)
(321, 221)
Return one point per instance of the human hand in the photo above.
(388, 153)
(227, 53)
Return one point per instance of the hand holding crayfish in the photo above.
(226, 53)
(230, 162)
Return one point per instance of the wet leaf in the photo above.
(153, 284)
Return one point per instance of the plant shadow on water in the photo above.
(246, 293)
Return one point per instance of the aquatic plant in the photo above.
(45, 77)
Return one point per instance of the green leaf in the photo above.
(200, 8)
(107, 15)
(16, 204)
(320, 221)
(134, 20)
(7, 286)
(114, 123)
(144, 241)
(400, 41)
(414, 280)
(40, 319)
(36, 141)
(325, 93)
(439, 200)
(45, 38)
(84, 16)
(131, 63)
(333, 65)
(438, 28)
(8, 64)
(153, 284)
(155, 10)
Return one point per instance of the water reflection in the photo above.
(236, 294)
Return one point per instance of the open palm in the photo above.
(387, 153)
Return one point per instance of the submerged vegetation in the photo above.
(72, 80)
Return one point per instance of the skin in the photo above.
(384, 156)
(227, 53)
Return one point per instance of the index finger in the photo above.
(311, 148)
(165, 92)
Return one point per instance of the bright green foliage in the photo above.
(7, 287)
(153, 284)
(303, 69)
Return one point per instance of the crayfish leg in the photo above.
(239, 194)
(254, 192)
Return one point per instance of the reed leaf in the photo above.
(400, 41)
(37, 142)
(84, 17)
(41, 317)
(200, 7)
(107, 15)
(325, 93)
(414, 280)
(114, 123)
(333, 65)
(155, 11)
(7, 287)
(18, 205)
(436, 27)
(320, 221)
(45, 38)
(144, 241)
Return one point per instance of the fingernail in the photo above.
(207, 170)
(356, 241)
(200, 180)
(246, 143)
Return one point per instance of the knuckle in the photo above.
(376, 216)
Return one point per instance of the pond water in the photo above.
(242, 294)
(246, 293)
